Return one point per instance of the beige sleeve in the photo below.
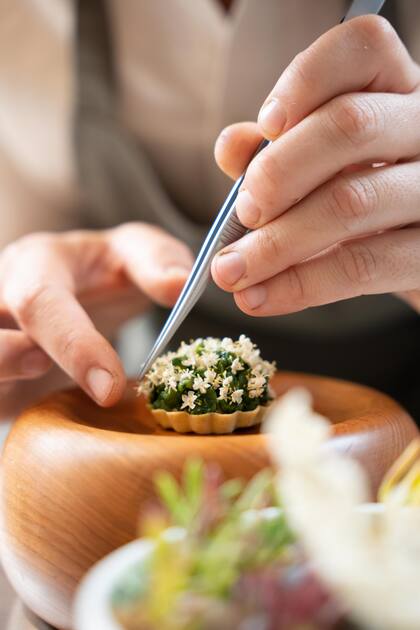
(37, 176)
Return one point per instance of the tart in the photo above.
(209, 386)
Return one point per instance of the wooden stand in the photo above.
(75, 477)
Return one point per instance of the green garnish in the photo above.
(224, 537)
(209, 375)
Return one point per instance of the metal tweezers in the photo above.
(225, 230)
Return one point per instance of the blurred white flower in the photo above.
(372, 562)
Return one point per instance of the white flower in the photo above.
(190, 360)
(210, 376)
(155, 377)
(186, 375)
(223, 393)
(208, 359)
(237, 395)
(227, 344)
(211, 344)
(200, 385)
(144, 387)
(236, 365)
(201, 356)
(188, 400)
(371, 562)
(256, 382)
(227, 381)
(171, 382)
(169, 377)
(268, 368)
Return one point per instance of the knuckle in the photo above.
(376, 31)
(357, 262)
(70, 347)
(300, 68)
(268, 243)
(27, 302)
(297, 291)
(356, 120)
(261, 179)
(352, 202)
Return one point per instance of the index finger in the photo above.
(362, 54)
(38, 290)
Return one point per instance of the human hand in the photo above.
(328, 223)
(50, 282)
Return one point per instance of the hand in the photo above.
(50, 282)
(328, 223)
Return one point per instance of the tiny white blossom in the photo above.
(213, 378)
(200, 385)
(185, 375)
(210, 376)
(227, 344)
(256, 382)
(236, 365)
(237, 396)
(211, 344)
(223, 393)
(145, 387)
(267, 368)
(155, 377)
(169, 376)
(255, 393)
(201, 356)
(188, 400)
(209, 359)
(227, 381)
(190, 360)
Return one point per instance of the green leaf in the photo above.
(170, 494)
(231, 489)
(254, 492)
(193, 481)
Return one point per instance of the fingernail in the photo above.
(34, 363)
(272, 118)
(100, 383)
(247, 210)
(230, 267)
(254, 296)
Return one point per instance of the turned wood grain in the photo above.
(75, 477)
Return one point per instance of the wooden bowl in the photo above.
(75, 476)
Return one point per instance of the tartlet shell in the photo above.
(208, 423)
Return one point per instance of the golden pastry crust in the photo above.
(209, 423)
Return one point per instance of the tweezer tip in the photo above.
(142, 371)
